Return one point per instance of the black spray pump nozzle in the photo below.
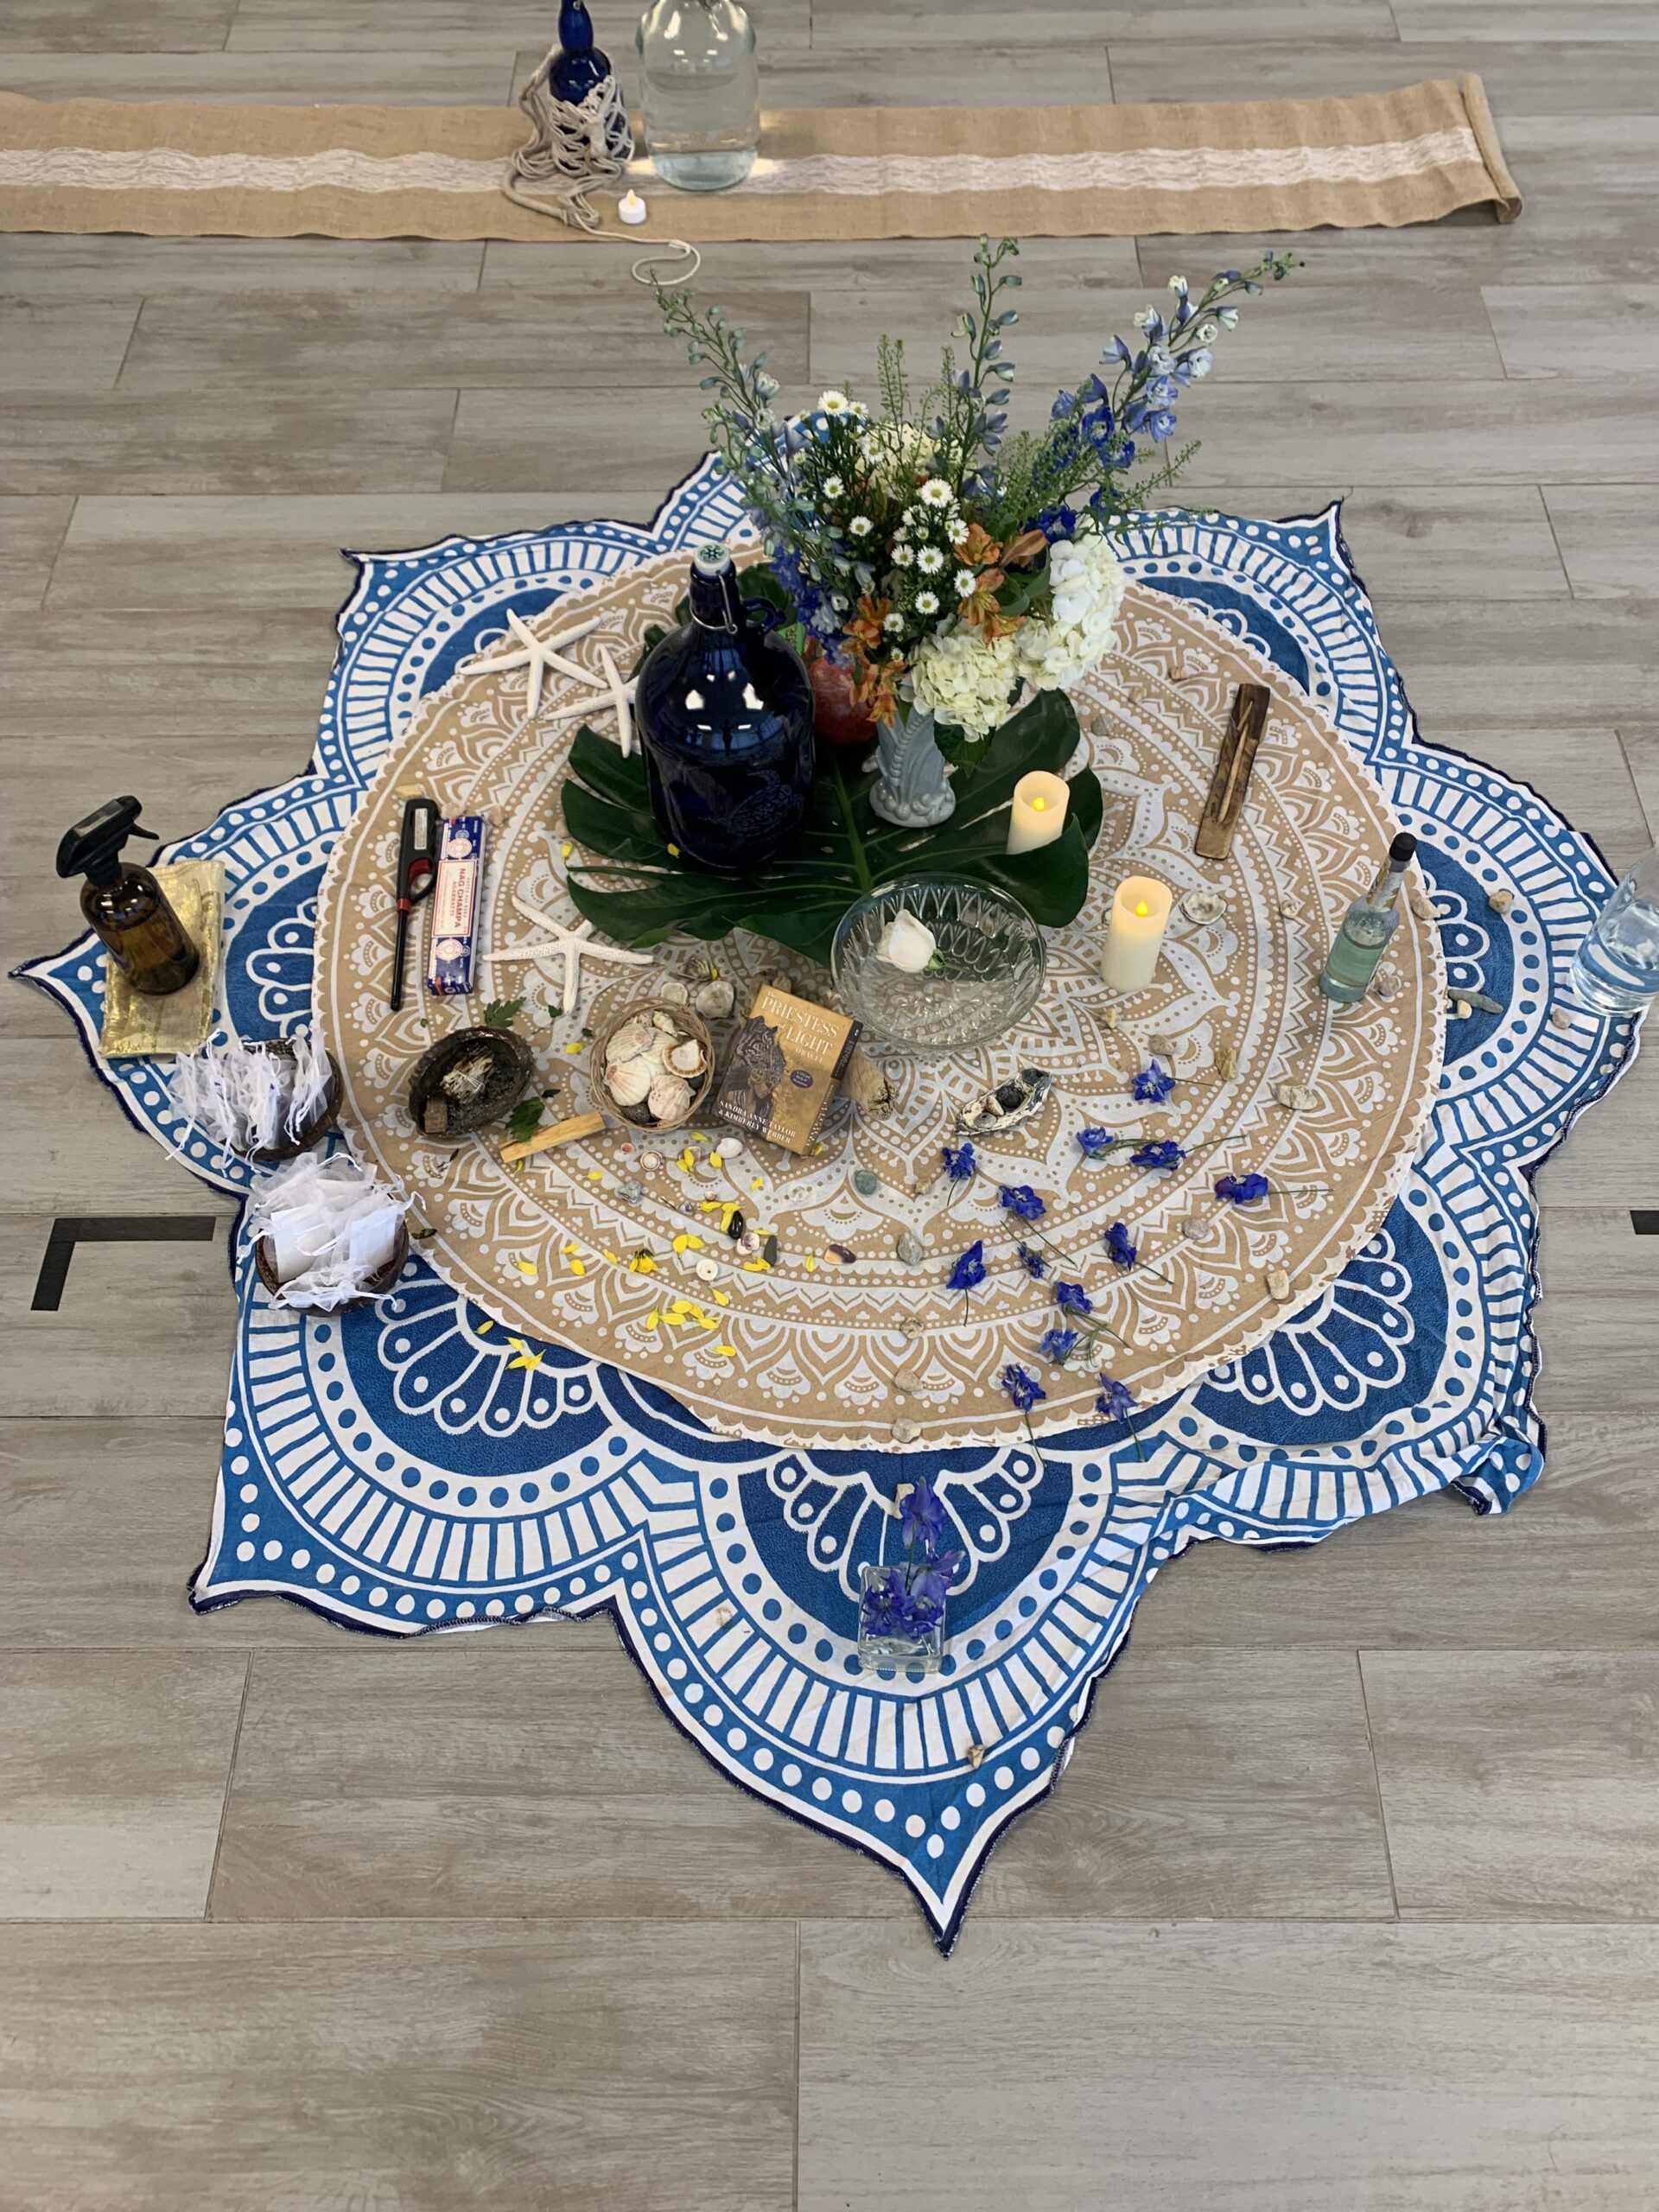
(92, 848)
(1402, 849)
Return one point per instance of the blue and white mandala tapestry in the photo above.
(401, 1470)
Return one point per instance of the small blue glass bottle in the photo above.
(579, 65)
(725, 714)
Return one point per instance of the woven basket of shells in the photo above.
(652, 1062)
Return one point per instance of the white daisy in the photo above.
(834, 402)
(936, 493)
(902, 556)
(833, 487)
(860, 525)
(965, 581)
(929, 560)
(893, 622)
(927, 602)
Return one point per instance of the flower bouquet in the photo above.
(953, 575)
(901, 1609)
(951, 565)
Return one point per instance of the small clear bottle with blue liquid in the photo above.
(1615, 969)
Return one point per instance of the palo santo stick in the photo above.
(566, 1132)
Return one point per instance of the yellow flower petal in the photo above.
(725, 1351)
(573, 1046)
(528, 1270)
(722, 1298)
(483, 1327)
(577, 1267)
(653, 1320)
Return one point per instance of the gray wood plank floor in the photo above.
(1348, 1901)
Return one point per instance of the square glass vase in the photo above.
(909, 1654)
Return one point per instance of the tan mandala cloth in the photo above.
(840, 1343)
(173, 169)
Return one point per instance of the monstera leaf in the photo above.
(637, 892)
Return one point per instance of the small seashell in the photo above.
(665, 1025)
(1461, 1009)
(1296, 1095)
(629, 1082)
(708, 1271)
(1007, 1105)
(905, 1431)
(630, 1041)
(1204, 905)
(728, 1148)
(911, 1248)
(1290, 908)
(670, 1098)
(686, 1058)
(714, 999)
(650, 1164)
(676, 990)
(841, 1252)
(1385, 984)
(974, 1754)
(1279, 1286)
(866, 1184)
(1500, 901)
(749, 1243)
(1224, 1060)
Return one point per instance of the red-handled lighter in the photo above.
(417, 860)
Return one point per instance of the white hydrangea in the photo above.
(897, 453)
(965, 682)
(1087, 582)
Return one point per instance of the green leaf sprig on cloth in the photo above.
(639, 893)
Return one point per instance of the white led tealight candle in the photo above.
(1139, 914)
(631, 208)
(1038, 814)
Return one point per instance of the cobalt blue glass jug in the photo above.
(725, 715)
(580, 65)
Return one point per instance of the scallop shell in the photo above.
(630, 1082)
(630, 1041)
(675, 990)
(686, 1058)
(669, 1098)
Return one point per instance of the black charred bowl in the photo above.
(317, 1126)
(509, 1078)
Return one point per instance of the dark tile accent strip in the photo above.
(1644, 1225)
(70, 1229)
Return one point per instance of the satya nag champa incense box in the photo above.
(456, 898)
(785, 1061)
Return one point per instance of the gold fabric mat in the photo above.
(138, 1026)
(814, 1353)
(178, 168)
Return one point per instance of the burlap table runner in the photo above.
(177, 168)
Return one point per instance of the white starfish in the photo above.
(538, 655)
(621, 690)
(568, 944)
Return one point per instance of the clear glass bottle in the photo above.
(1363, 937)
(1615, 969)
(702, 92)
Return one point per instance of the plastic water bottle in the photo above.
(702, 92)
(1615, 969)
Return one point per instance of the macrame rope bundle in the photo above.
(577, 147)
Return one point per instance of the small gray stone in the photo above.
(866, 1183)
(911, 1248)
(630, 1192)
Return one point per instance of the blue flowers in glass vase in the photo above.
(901, 1608)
